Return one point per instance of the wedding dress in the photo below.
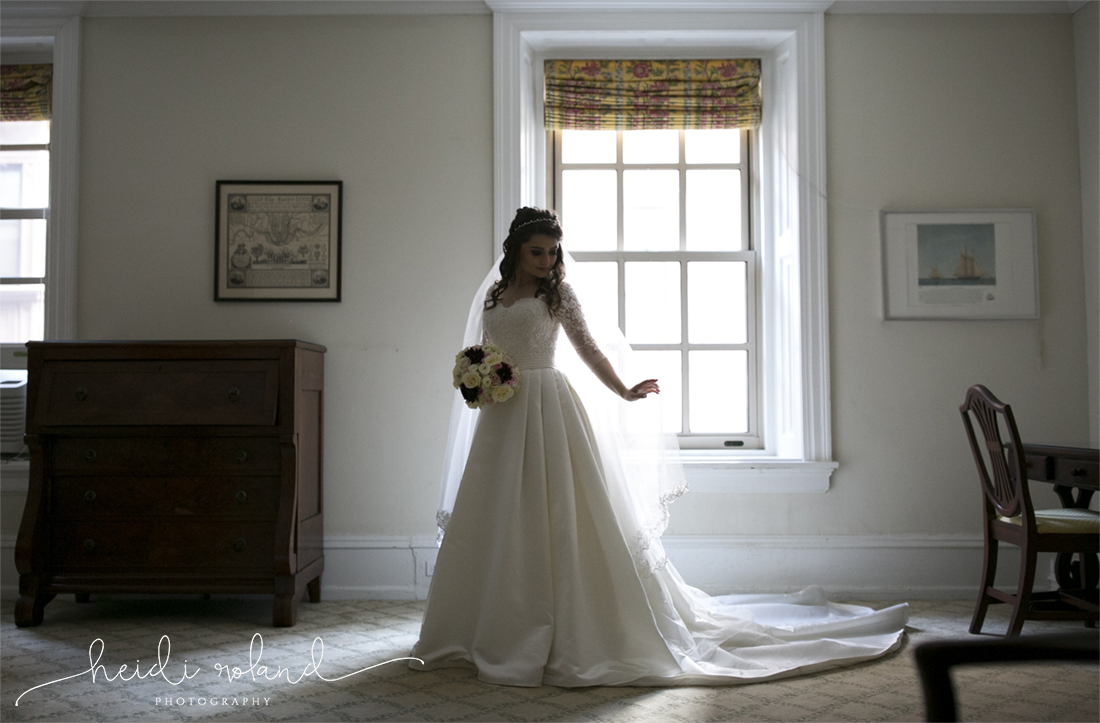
(546, 575)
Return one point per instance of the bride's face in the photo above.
(537, 256)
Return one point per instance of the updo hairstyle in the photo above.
(530, 221)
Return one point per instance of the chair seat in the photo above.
(1061, 521)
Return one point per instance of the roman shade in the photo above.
(25, 92)
(651, 94)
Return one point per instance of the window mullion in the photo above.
(685, 395)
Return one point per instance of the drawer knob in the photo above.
(234, 394)
(81, 394)
(89, 456)
(1079, 472)
(89, 546)
(89, 496)
(241, 496)
(242, 456)
(238, 544)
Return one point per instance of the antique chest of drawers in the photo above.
(173, 467)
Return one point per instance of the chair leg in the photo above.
(1023, 592)
(989, 571)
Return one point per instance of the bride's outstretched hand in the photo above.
(639, 391)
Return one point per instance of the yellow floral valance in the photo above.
(25, 92)
(649, 94)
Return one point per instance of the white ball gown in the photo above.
(541, 581)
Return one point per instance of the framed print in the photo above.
(278, 241)
(959, 265)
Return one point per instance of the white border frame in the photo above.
(794, 258)
(1015, 294)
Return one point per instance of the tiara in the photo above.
(537, 220)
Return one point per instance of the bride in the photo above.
(550, 569)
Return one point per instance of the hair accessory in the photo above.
(537, 220)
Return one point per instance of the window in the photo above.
(659, 223)
(789, 232)
(24, 213)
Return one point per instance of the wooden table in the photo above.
(1075, 473)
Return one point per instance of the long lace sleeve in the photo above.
(572, 321)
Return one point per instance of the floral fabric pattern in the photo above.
(25, 92)
(652, 94)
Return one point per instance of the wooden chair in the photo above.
(1009, 517)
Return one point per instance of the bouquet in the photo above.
(484, 375)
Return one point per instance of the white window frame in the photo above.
(797, 456)
(62, 32)
(60, 29)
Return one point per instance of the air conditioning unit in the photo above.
(13, 411)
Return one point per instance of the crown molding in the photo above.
(956, 7)
(187, 8)
(45, 9)
(634, 6)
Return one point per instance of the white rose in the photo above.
(487, 383)
(502, 394)
(471, 380)
(464, 363)
(484, 369)
(492, 359)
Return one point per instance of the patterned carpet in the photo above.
(208, 638)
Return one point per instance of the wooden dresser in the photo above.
(173, 467)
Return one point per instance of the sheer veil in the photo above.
(640, 461)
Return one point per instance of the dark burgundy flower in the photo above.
(727, 70)
(641, 70)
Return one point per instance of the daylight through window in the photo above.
(660, 225)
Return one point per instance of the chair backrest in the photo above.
(1004, 480)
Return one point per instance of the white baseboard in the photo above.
(866, 567)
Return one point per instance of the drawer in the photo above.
(175, 456)
(168, 544)
(85, 497)
(1077, 472)
(198, 392)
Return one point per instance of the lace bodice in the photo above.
(528, 332)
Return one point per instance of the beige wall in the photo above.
(935, 112)
(400, 110)
(1086, 37)
(924, 112)
(948, 112)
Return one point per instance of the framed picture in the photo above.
(959, 264)
(278, 241)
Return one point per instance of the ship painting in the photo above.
(969, 250)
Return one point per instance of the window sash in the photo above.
(29, 318)
(752, 438)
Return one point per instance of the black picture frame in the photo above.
(278, 240)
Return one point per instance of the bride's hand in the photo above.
(639, 391)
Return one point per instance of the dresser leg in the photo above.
(314, 589)
(285, 612)
(83, 597)
(28, 609)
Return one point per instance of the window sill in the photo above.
(719, 471)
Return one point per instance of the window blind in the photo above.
(25, 92)
(651, 94)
